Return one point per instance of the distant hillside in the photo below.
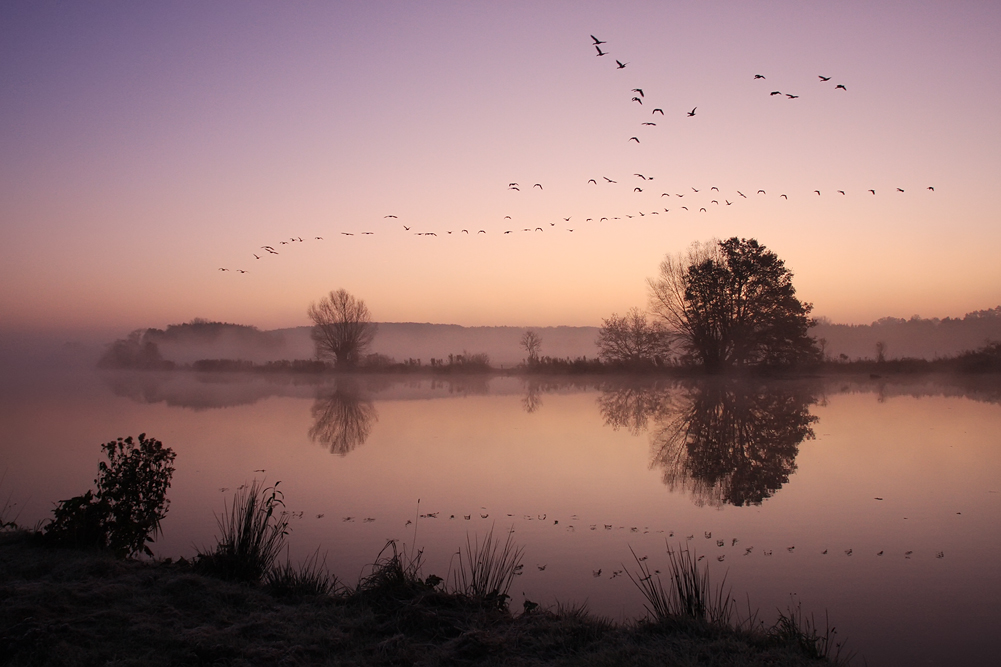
(917, 337)
(185, 343)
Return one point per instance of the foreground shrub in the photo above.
(310, 578)
(125, 511)
(689, 594)
(253, 531)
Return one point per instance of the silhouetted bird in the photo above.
(841, 87)
(389, 216)
(609, 180)
(694, 190)
(637, 189)
(775, 92)
(931, 188)
(482, 231)
(641, 176)
(714, 188)
(824, 78)
(841, 191)
(692, 112)
(872, 191)
(317, 238)
(512, 187)
(255, 255)
(600, 52)
(791, 97)
(597, 41)
(591, 180)
(702, 210)
(741, 194)
(784, 196)
(818, 192)
(656, 110)
(465, 231)
(241, 271)
(762, 192)
(636, 99)
(728, 202)
(567, 219)
(900, 189)
(538, 185)
(636, 139)
(759, 76)
(222, 269)
(638, 90)
(654, 124)
(621, 65)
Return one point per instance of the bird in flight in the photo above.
(609, 180)
(637, 189)
(692, 112)
(538, 185)
(791, 97)
(654, 124)
(931, 188)
(389, 216)
(255, 255)
(222, 269)
(597, 41)
(824, 78)
(694, 190)
(241, 271)
(664, 194)
(406, 228)
(482, 231)
(784, 196)
(600, 52)
(741, 194)
(656, 110)
(728, 202)
(714, 188)
(636, 139)
(347, 233)
(775, 92)
(762, 192)
(759, 76)
(841, 191)
(900, 189)
(636, 99)
(638, 90)
(872, 191)
(818, 192)
(513, 187)
(591, 180)
(621, 65)
(841, 87)
(567, 219)
(641, 176)
(317, 238)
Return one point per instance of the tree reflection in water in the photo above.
(724, 441)
(342, 420)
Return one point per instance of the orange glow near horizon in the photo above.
(139, 162)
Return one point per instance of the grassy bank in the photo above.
(62, 606)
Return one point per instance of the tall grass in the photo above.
(689, 595)
(7, 509)
(488, 568)
(793, 627)
(309, 578)
(253, 531)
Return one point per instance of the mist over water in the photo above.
(761, 478)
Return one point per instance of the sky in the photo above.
(146, 146)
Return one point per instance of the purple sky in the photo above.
(145, 146)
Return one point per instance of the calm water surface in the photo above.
(879, 503)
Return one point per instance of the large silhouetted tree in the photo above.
(732, 303)
(342, 327)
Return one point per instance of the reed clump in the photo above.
(488, 569)
(252, 535)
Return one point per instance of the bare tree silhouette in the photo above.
(342, 420)
(532, 342)
(632, 340)
(342, 327)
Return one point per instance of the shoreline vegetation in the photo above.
(67, 602)
(986, 359)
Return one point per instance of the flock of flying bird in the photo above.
(701, 200)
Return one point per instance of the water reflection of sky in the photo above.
(581, 471)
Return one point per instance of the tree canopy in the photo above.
(632, 340)
(342, 327)
(732, 303)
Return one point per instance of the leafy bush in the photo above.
(130, 502)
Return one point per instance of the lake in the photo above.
(877, 501)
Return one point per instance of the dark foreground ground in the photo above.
(70, 607)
